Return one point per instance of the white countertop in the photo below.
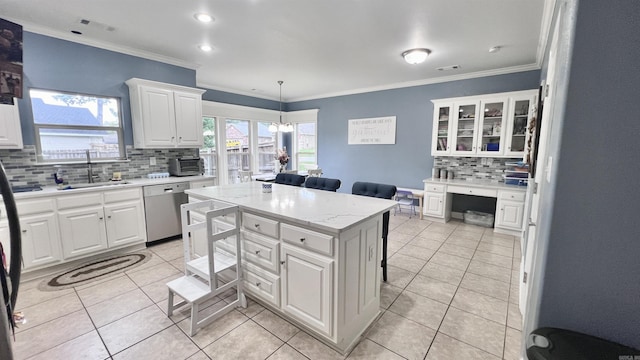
(325, 210)
(51, 190)
(485, 184)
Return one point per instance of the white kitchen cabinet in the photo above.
(82, 231)
(97, 221)
(125, 223)
(435, 201)
(521, 110)
(165, 115)
(510, 210)
(442, 120)
(307, 287)
(10, 131)
(202, 183)
(40, 240)
(491, 125)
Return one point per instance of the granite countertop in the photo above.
(52, 190)
(485, 184)
(324, 210)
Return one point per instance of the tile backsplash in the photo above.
(467, 168)
(22, 169)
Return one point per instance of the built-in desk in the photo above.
(509, 206)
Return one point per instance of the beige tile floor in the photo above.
(452, 294)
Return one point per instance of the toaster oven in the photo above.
(186, 166)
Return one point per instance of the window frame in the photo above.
(119, 130)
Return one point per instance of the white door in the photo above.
(537, 186)
(83, 231)
(125, 223)
(509, 214)
(158, 117)
(307, 293)
(442, 120)
(464, 128)
(40, 240)
(188, 108)
(491, 127)
(434, 205)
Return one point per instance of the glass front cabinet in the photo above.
(492, 125)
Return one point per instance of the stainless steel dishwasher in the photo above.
(162, 209)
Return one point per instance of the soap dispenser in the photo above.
(58, 176)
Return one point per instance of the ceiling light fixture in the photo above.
(495, 49)
(282, 127)
(416, 56)
(205, 48)
(202, 17)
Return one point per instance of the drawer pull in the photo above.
(257, 252)
(100, 218)
(302, 239)
(256, 226)
(258, 284)
(24, 231)
(282, 262)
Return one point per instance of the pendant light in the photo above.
(282, 127)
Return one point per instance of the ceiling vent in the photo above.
(96, 25)
(447, 68)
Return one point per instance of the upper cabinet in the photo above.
(165, 115)
(10, 132)
(492, 125)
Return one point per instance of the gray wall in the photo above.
(409, 160)
(590, 269)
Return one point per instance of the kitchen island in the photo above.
(311, 256)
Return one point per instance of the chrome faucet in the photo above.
(90, 175)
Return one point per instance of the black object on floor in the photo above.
(560, 344)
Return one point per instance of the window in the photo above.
(266, 148)
(238, 149)
(305, 145)
(67, 126)
(208, 152)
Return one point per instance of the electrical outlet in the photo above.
(152, 160)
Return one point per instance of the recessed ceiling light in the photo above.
(416, 56)
(205, 48)
(202, 17)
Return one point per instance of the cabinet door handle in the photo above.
(257, 252)
(282, 262)
(24, 230)
(256, 226)
(302, 239)
(109, 217)
(258, 284)
(100, 218)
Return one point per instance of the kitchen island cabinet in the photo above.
(326, 248)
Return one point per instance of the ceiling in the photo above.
(319, 48)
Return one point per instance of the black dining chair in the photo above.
(382, 191)
(321, 183)
(289, 179)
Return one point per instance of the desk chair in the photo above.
(289, 179)
(404, 198)
(245, 176)
(382, 191)
(322, 183)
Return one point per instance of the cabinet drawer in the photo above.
(434, 188)
(27, 207)
(472, 191)
(76, 201)
(308, 239)
(261, 283)
(261, 251)
(121, 195)
(511, 195)
(260, 225)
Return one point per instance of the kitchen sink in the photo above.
(92, 185)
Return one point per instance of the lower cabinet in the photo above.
(434, 205)
(510, 210)
(38, 231)
(307, 290)
(107, 220)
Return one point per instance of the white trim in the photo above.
(218, 109)
(209, 86)
(485, 73)
(545, 29)
(79, 39)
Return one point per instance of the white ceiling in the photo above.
(318, 48)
